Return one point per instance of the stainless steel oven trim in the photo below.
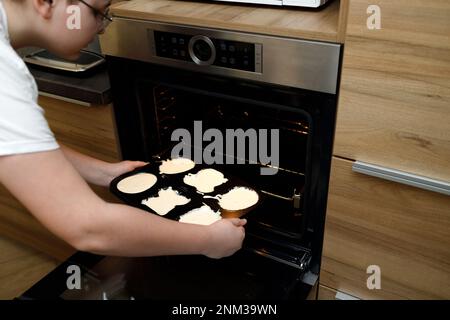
(172, 62)
(305, 64)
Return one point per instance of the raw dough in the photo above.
(137, 183)
(238, 198)
(203, 215)
(177, 165)
(205, 180)
(166, 200)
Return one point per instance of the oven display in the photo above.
(203, 50)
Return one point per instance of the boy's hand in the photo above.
(112, 170)
(225, 237)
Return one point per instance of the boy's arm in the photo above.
(49, 186)
(96, 171)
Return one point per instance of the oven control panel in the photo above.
(206, 51)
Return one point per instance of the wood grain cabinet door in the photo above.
(394, 108)
(89, 130)
(378, 227)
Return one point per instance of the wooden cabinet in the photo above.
(394, 112)
(403, 230)
(394, 107)
(89, 130)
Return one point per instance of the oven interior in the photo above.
(167, 109)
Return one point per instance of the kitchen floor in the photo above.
(21, 267)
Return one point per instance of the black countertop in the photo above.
(92, 86)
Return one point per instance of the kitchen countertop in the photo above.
(326, 23)
(92, 87)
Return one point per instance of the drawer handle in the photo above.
(402, 177)
(344, 296)
(70, 100)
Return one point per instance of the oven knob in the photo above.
(202, 50)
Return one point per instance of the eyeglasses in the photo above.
(106, 17)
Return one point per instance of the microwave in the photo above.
(296, 3)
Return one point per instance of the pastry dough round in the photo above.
(238, 198)
(177, 165)
(137, 183)
(205, 180)
(203, 215)
(166, 200)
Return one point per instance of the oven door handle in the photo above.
(402, 177)
(282, 258)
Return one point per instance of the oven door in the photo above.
(244, 276)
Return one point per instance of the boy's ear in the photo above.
(43, 7)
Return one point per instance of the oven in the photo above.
(281, 93)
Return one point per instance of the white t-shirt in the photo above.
(23, 127)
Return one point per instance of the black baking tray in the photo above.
(176, 182)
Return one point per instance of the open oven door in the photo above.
(249, 274)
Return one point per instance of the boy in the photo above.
(50, 179)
